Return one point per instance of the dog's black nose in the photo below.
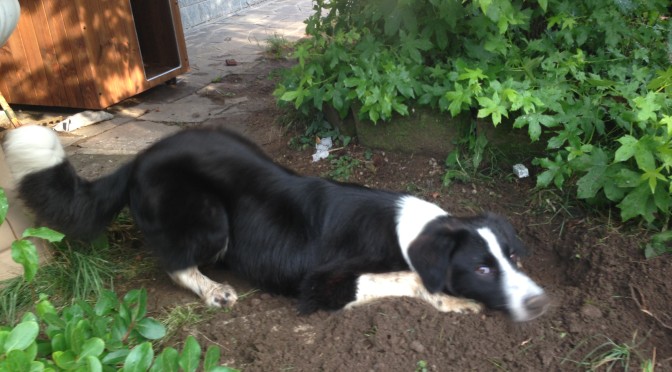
(537, 305)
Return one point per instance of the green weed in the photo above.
(277, 47)
(342, 168)
(612, 355)
(181, 316)
(112, 334)
(312, 129)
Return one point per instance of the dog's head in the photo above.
(477, 258)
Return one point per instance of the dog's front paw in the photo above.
(448, 304)
(469, 306)
(220, 295)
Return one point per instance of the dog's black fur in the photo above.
(201, 191)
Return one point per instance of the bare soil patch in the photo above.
(602, 286)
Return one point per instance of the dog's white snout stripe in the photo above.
(519, 289)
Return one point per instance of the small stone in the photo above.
(417, 347)
(255, 302)
(591, 311)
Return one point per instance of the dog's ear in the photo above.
(430, 253)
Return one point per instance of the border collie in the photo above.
(207, 195)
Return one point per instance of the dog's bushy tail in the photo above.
(50, 187)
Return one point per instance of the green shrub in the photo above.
(114, 334)
(110, 335)
(590, 78)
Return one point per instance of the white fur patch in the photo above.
(371, 287)
(517, 286)
(213, 294)
(412, 217)
(31, 149)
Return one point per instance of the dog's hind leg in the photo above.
(371, 287)
(213, 293)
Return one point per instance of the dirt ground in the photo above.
(603, 289)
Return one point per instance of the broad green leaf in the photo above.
(3, 336)
(24, 252)
(106, 302)
(167, 361)
(139, 359)
(93, 364)
(651, 177)
(58, 342)
(65, 359)
(92, 347)
(36, 366)
(191, 355)
(44, 306)
(31, 351)
(4, 206)
(638, 202)
(222, 369)
(662, 199)
(289, 96)
(484, 5)
(644, 157)
(591, 182)
(115, 357)
(43, 233)
(611, 190)
(212, 357)
(492, 107)
(78, 335)
(139, 310)
(667, 122)
(22, 336)
(17, 360)
(29, 317)
(627, 149)
(648, 107)
(626, 178)
(660, 243)
(545, 178)
(151, 329)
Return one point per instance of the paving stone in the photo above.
(126, 139)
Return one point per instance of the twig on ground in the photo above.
(641, 302)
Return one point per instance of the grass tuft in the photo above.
(611, 355)
(277, 47)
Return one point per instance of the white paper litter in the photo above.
(322, 149)
(82, 119)
(520, 171)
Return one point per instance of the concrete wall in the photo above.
(196, 12)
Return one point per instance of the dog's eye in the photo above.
(513, 257)
(484, 270)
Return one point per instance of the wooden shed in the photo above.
(91, 53)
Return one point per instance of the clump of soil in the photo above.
(602, 287)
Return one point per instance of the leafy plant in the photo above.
(421, 366)
(343, 167)
(114, 333)
(613, 355)
(589, 78)
(182, 315)
(318, 127)
(465, 160)
(277, 47)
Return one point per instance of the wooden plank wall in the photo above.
(76, 53)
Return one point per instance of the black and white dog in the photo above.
(209, 195)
